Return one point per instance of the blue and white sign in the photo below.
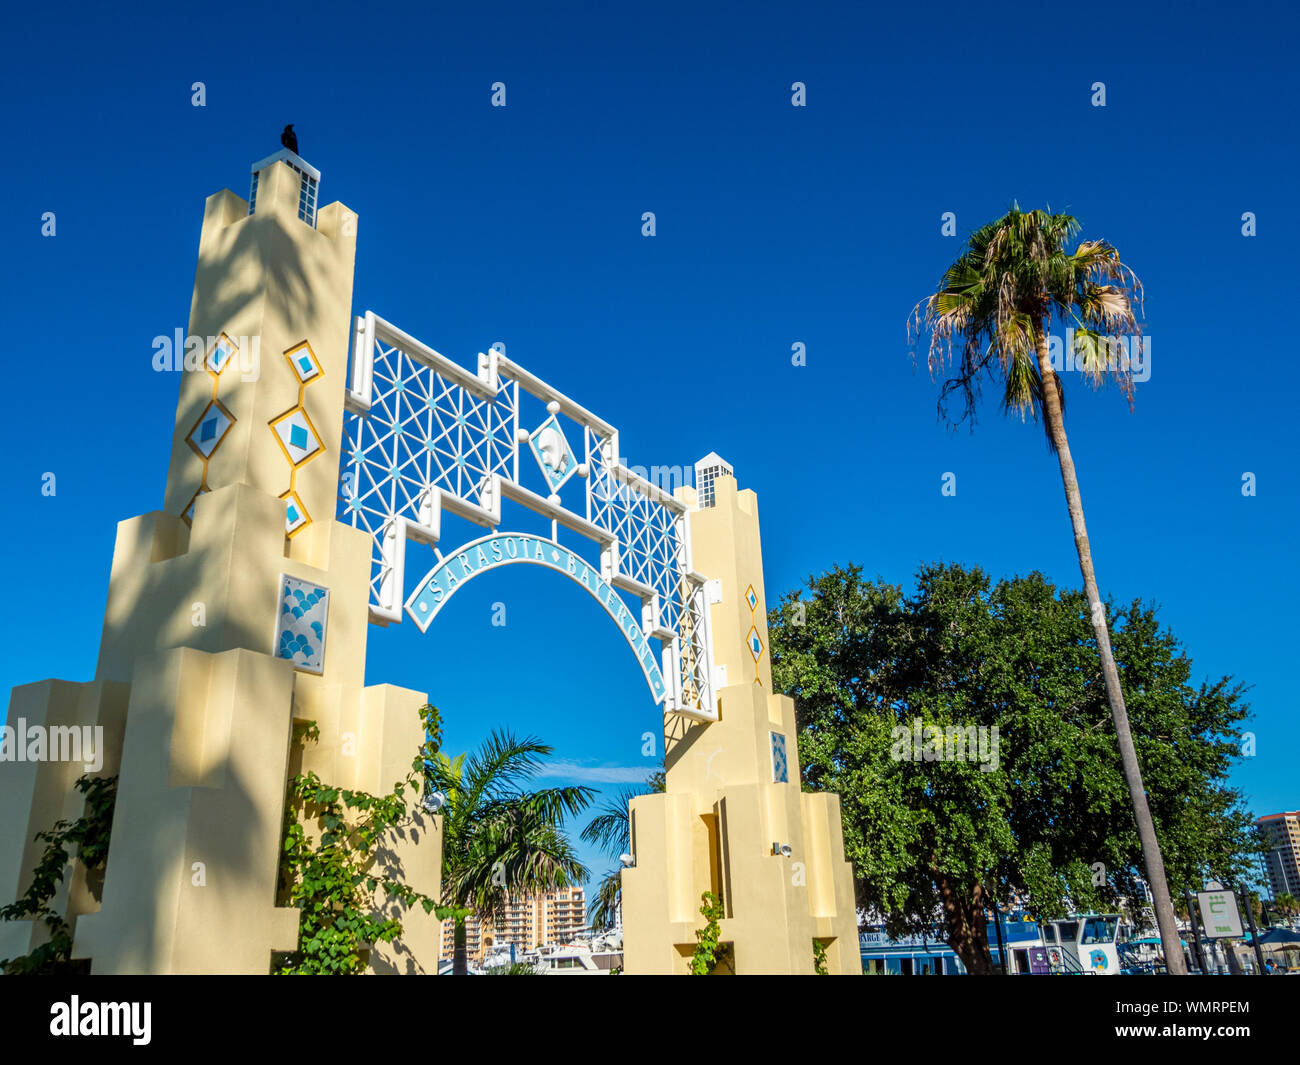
(300, 632)
(504, 549)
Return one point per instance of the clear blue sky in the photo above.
(776, 225)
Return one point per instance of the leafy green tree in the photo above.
(611, 831)
(499, 840)
(1287, 905)
(1042, 814)
(996, 304)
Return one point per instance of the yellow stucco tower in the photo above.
(193, 686)
(295, 483)
(733, 819)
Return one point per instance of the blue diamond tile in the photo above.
(302, 360)
(213, 425)
(296, 435)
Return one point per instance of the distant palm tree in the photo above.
(500, 841)
(611, 831)
(996, 303)
(515, 968)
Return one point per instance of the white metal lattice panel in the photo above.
(421, 433)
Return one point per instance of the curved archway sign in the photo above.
(422, 434)
(504, 549)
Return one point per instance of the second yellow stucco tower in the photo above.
(733, 819)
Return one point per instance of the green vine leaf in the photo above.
(332, 881)
(85, 840)
(710, 952)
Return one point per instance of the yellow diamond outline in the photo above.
(194, 428)
(234, 353)
(203, 490)
(291, 494)
(288, 357)
(315, 432)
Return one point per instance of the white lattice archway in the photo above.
(421, 435)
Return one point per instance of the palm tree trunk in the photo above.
(1155, 864)
(459, 956)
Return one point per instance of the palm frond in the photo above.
(604, 908)
(991, 314)
(610, 829)
(501, 841)
(549, 805)
(502, 763)
(1023, 388)
(508, 859)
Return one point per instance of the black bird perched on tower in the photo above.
(289, 138)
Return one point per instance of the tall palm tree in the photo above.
(500, 841)
(611, 831)
(995, 305)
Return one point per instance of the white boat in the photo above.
(571, 959)
(1084, 944)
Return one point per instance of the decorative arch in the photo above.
(508, 548)
(423, 435)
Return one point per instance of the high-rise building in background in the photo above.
(542, 919)
(1282, 862)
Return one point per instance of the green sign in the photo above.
(1219, 914)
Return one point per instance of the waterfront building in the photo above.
(1282, 862)
(547, 918)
